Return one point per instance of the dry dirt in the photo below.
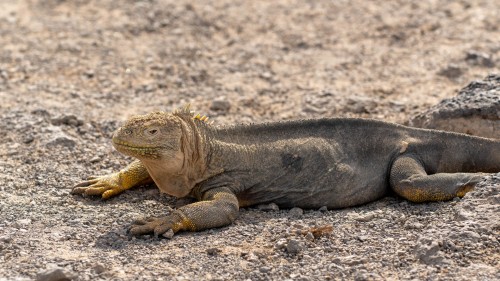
(71, 71)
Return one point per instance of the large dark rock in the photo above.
(475, 110)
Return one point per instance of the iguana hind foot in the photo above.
(410, 180)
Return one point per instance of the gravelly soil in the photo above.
(70, 71)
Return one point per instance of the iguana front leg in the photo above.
(134, 174)
(218, 207)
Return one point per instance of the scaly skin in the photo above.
(310, 163)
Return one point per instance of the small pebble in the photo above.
(99, 268)
(213, 251)
(296, 212)
(365, 217)
(323, 209)
(281, 244)
(294, 247)
(309, 236)
(70, 120)
(95, 159)
(5, 239)
(265, 269)
(220, 104)
(268, 207)
(451, 71)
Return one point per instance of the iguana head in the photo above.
(170, 145)
(154, 136)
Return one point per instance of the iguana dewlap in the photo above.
(338, 162)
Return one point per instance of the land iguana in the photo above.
(335, 162)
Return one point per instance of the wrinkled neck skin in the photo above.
(178, 172)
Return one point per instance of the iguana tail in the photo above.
(463, 153)
(447, 152)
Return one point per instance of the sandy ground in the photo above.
(71, 71)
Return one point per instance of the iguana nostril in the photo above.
(153, 131)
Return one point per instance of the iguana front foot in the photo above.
(110, 185)
(106, 186)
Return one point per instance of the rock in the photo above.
(362, 275)
(361, 104)
(61, 139)
(213, 251)
(264, 269)
(70, 120)
(413, 224)
(462, 215)
(323, 209)
(266, 75)
(220, 104)
(317, 103)
(465, 235)
(13, 148)
(22, 222)
(89, 73)
(95, 159)
(475, 110)
(268, 207)
(365, 217)
(29, 138)
(296, 212)
(479, 59)
(281, 244)
(309, 236)
(294, 247)
(41, 112)
(452, 71)
(5, 239)
(56, 274)
(362, 238)
(352, 260)
(428, 251)
(99, 268)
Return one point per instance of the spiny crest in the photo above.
(187, 112)
(184, 111)
(200, 117)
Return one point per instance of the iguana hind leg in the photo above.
(409, 179)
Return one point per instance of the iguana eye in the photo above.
(127, 131)
(152, 132)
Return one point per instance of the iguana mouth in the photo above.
(141, 150)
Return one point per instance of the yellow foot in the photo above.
(106, 186)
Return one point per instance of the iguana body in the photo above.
(308, 163)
